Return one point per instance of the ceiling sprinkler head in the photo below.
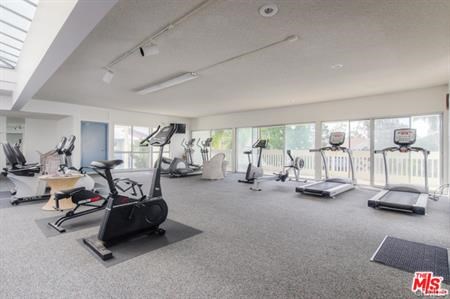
(268, 10)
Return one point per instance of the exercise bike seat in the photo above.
(67, 193)
(248, 152)
(106, 164)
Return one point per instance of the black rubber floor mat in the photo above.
(175, 232)
(72, 225)
(413, 257)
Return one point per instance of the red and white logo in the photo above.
(426, 284)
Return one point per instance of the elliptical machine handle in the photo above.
(149, 136)
(288, 152)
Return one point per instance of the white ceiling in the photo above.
(384, 46)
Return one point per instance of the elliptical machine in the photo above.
(205, 148)
(126, 217)
(253, 172)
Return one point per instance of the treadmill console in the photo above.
(404, 137)
(337, 138)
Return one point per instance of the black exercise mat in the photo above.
(142, 244)
(412, 257)
(71, 225)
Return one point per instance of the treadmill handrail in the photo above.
(336, 148)
(409, 149)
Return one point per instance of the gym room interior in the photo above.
(224, 148)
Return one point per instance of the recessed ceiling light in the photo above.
(268, 10)
(337, 66)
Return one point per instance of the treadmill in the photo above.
(331, 187)
(403, 198)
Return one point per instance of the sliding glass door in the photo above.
(357, 138)
(300, 138)
(222, 142)
(273, 155)
(407, 168)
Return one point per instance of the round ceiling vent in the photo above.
(268, 10)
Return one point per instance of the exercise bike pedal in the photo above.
(58, 228)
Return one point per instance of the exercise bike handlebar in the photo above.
(149, 136)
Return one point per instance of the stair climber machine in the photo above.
(178, 167)
(404, 198)
(27, 186)
(331, 187)
(126, 217)
(295, 164)
(253, 172)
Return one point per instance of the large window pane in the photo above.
(244, 140)
(359, 140)
(337, 161)
(122, 138)
(428, 130)
(126, 157)
(141, 160)
(273, 155)
(398, 163)
(223, 143)
(300, 139)
(139, 134)
(199, 135)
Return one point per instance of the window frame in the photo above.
(151, 150)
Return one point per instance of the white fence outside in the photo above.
(403, 168)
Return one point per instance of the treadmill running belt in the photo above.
(323, 186)
(401, 198)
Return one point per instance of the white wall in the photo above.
(39, 135)
(74, 114)
(419, 101)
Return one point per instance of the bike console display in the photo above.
(261, 143)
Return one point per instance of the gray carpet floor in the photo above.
(269, 244)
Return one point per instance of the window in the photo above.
(273, 155)
(408, 168)
(357, 138)
(245, 137)
(127, 147)
(222, 142)
(300, 139)
(359, 141)
(122, 145)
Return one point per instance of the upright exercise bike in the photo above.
(126, 217)
(253, 172)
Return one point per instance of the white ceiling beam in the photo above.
(48, 46)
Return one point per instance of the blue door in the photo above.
(94, 142)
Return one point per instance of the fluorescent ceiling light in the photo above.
(169, 83)
(108, 76)
(148, 50)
